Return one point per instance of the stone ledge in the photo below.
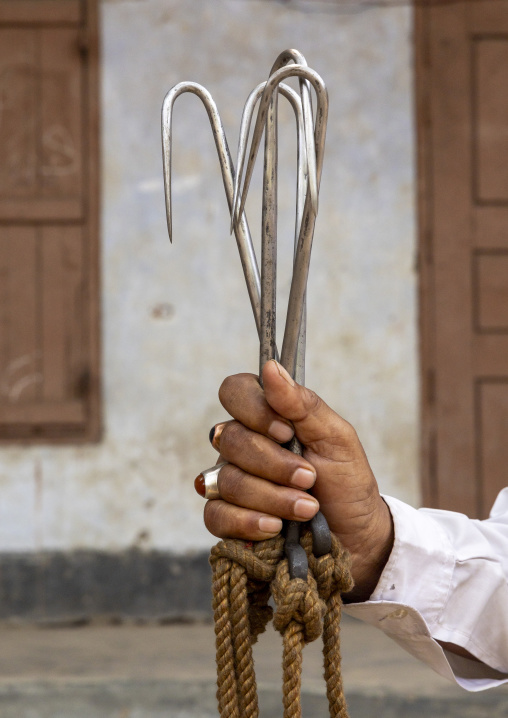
(81, 586)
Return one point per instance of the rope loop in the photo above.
(299, 601)
(245, 575)
(331, 571)
(259, 558)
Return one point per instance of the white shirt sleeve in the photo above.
(447, 580)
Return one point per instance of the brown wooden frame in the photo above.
(79, 421)
(428, 446)
(93, 432)
(461, 53)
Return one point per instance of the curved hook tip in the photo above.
(169, 216)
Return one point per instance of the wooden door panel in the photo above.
(49, 318)
(41, 123)
(62, 331)
(18, 112)
(41, 12)
(61, 113)
(490, 107)
(489, 227)
(491, 290)
(490, 355)
(462, 85)
(43, 352)
(487, 17)
(20, 375)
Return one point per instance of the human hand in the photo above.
(264, 483)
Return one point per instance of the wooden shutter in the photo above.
(49, 325)
(462, 110)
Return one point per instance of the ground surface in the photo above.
(169, 672)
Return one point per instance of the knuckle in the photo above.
(231, 436)
(236, 389)
(212, 517)
(230, 480)
(232, 390)
(226, 389)
(251, 529)
(349, 431)
(226, 521)
(311, 401)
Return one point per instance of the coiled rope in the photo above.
(245, 575)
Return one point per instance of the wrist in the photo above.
(371, 556)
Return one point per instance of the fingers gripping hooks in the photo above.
(310, 156)
(245, 575)
(294, 336)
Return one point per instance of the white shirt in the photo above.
(447, 580)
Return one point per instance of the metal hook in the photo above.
(241, 229)
(262, 291)
(295, 56)
(267, 114)
(242, 232)
(301, 71)
(308, 129)
(298, 563)
(301, 266)
(245, 124)
(301, 192)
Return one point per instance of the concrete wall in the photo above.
(176, 320)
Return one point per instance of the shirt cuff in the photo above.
(419, 571)
(411, 595)
(404, 625)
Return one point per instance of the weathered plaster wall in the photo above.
(176, 319)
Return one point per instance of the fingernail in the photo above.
(280, 431)
(305, 508)
(270, 524)
(214, 436)
(284, 374)
(303, 478)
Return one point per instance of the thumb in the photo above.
(314, 421)
(346, 488)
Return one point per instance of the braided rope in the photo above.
(245, 575)
(227, 695)
(333, 577)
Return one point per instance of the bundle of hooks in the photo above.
(306, 572)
